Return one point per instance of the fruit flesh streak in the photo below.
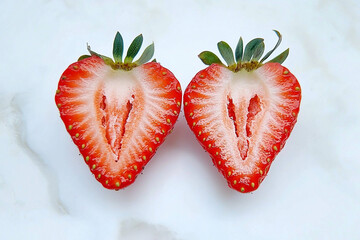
(253, 109)
(124, 119)
(115, 106)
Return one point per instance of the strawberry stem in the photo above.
(239, 50)
(277, 44)
(258, 52)
(106, 59)
(147, 55)
(209, 58)
(83, 57)
(134, 49)
(247, 58)
(226, 52)
(281, 57)
(250, 48)
(118, 49)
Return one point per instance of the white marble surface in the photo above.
(46, 190)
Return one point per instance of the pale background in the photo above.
(47, 191)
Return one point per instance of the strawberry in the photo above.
(243, 113)
(118, 112)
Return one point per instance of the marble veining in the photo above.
(13, 118)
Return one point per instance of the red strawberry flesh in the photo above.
(117, 118)
(243, 119)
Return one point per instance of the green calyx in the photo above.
(128, 62)
(248, 58)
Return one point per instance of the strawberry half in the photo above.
(243, 113)
(118, 112)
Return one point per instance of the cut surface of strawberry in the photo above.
(242, 113)
(118, 113)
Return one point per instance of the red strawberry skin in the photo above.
(117, 118)
(242, 119)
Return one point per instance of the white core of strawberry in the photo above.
(224, 113)
(123, 112)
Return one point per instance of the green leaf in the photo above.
(258, 51)
(250, 48)
(90, 51)
(277, 44)
(133, 49)
(154, 60)
(209, 58)
(147, 55)
(118, 48)
(281, 57)
(226, 52)
(239, 50)
(106, 59)
(83, 57)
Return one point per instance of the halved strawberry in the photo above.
(118, 112)
(243, 113)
